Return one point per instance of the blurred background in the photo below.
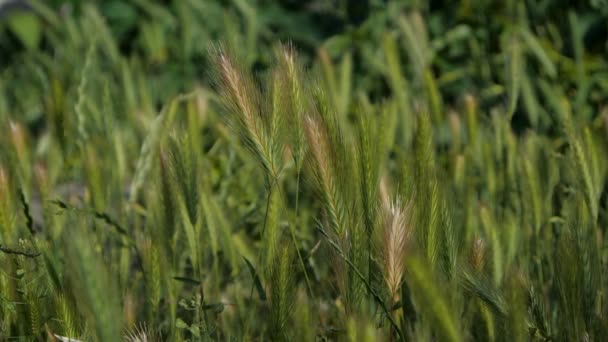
(465, 45)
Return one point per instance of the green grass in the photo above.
(424, 175)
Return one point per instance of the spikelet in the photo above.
(241, 99)
(272, 229)
(142, 333)
(282, 295)
(34, 314)
(149, 148)
(478, 254)
(152, 274)
(297, 103)
(320, 148)
(396, 220)
(434, 301)
(66, 316)
(83, 135)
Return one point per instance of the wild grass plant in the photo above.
(414, 183)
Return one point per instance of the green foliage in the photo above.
(398, 170)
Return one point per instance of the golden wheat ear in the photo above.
(396, 221)
(66, 339)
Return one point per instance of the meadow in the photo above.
(371, 170)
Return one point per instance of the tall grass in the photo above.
(423, 184)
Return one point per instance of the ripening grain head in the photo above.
(236, 87)
(319, 146)
(395, 240)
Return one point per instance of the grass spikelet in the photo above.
(298, 104)
(152, 268)
(143, 333)
(432, 300)
(66, 316)
(581, 159)
(242, 101)
(303, 318)
(323, 172)
(369, 152)
(33, 310)
(219, 228)
(183, 168)
(477, 284)
(83, 135)
(278, 118)
(478, 254)
(368, 286)
(396, 221)
(168, 204)
(357, 243)
(450, 240)
(428, 203)
(362, 330)
(272, 232)
(282, 295)
(569, 284)
(149, 148)
(93, 284)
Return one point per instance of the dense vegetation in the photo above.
(304, 170)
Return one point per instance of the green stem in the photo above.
(367, 285)
(293, 235)
(259, 257)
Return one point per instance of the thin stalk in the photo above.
(369, 288)
(293, 235)
(291, 227)
(270, 187)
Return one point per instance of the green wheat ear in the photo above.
(149, 148)
(66, 316)
(297, 97)
(426, 189)
(83, 135)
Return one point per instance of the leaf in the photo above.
(180, 324)
(26, 26)
(514, 66)
(538, 51)
(188, 280)
(256, 279)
